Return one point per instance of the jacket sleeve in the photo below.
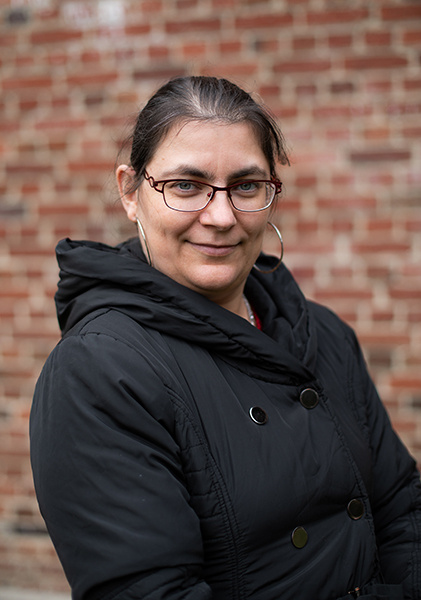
(396, 489)
(108, 476)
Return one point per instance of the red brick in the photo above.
(302, 66)
(378, 38)
(195, 49)
(195, 25)
(186, 4)
(95, 166)
(55, 36)
(327, 17)
(51, 124)
(400, 108)
(369, 156)
(306, 89)
(90, 56)
(159, 73)
(7, 39)
(230, 70)
(94, 78)
(28, 169)
(342, 87)
(60, 209)
(378, 86)
(376, 62)
(383, 338)
(412, 84)
(401, 12)
(405, 293)
(383, 225)
(259, 21)
(26, 83)
(411, 132)
(340, 41)
(68, 123)
(151, 6)
(230, 46)
(346, 201)
(304, 43)
(137, 29)
(382, 246)
(377, 133)
(406, 381)
(412, 37)
(158, 51)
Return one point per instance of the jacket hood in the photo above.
(96, 276)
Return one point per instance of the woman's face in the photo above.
(211, 251)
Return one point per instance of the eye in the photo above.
(183, 186)
(247, 187)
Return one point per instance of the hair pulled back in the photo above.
(201, 98)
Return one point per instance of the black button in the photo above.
(355, 509)
(299, 537)
(309, 398)
(258, 415)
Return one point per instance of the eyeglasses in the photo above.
(185, 195)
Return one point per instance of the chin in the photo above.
(216, 279)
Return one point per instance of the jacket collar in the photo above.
(96, 276)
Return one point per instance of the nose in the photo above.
(219, 212)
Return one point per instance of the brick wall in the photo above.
(344, 78)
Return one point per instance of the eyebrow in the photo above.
(191, 171)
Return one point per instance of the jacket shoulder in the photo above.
(329, 325)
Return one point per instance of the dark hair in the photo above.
(200, 98)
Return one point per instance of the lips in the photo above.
(214, 249)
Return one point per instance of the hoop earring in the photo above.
(278, 264)
(142, 233)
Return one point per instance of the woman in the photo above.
(202, 431)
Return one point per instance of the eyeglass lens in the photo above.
(248, 196)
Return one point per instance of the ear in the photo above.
(124, 176)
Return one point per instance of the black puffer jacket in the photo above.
(180, 453)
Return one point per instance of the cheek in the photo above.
(165, 226)
(256, 229)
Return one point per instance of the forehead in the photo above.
(214, 146)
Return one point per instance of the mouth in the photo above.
(214, 249)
